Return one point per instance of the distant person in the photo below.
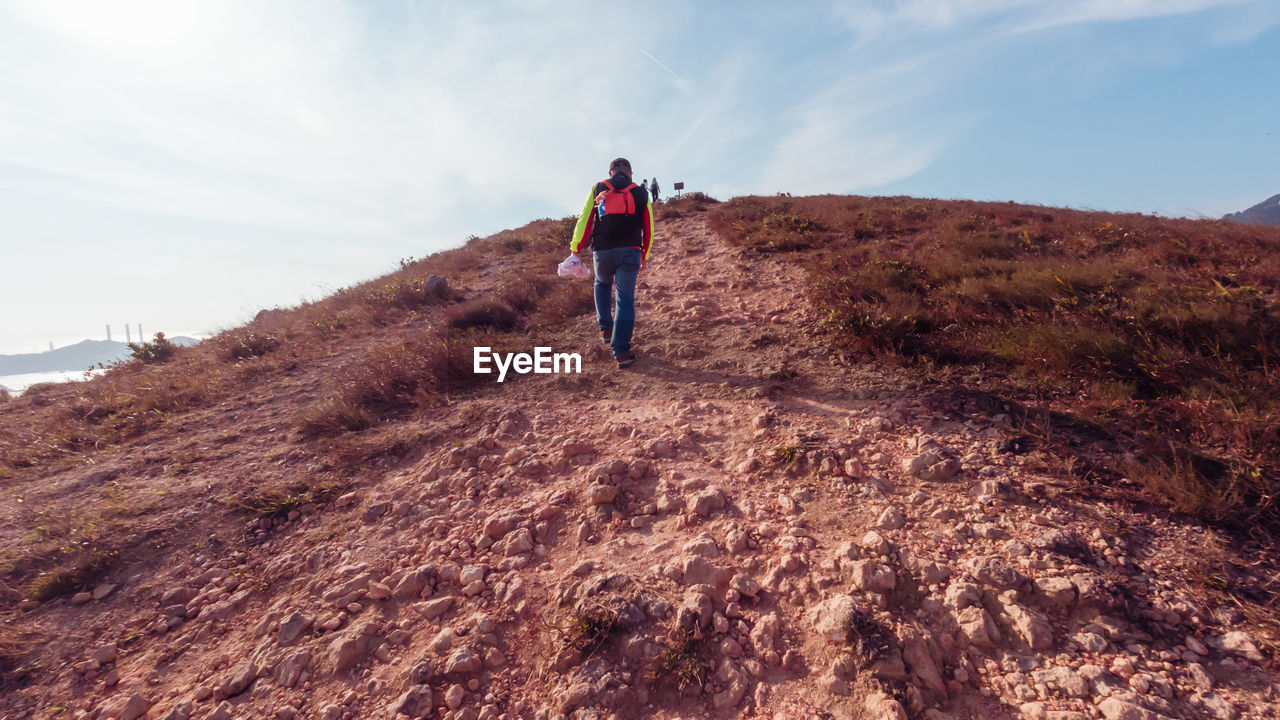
(617, 223)
(653, 189)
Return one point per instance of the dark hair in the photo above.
(620, 162)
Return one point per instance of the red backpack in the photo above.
(617, 202)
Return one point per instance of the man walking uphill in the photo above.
(617, 223)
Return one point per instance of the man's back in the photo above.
(620, 230)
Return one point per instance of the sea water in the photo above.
(16, 384)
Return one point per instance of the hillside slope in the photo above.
(325, 515)
(1266, 212)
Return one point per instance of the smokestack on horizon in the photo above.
(141, 337)
(108, 332)
(127, 336)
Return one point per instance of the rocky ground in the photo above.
(742, 525)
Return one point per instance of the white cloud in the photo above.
(887, 22)
(855, 135)
(1094, 11)
(292, 116)
(826, 156)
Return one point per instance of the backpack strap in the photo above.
(609, 185)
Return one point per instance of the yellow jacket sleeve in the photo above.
(646, 232)
(582, 230)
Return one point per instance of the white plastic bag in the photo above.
(573, 267)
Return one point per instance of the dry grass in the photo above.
(1186, 488)
(73, 572)
(680, 664)
(334, 415)
(567, 300)
(60, 421)
(384, 378)
(1165, 330)
(867, 637)
(277, 504)
(587, 630)
(15, 648)
(243, 344)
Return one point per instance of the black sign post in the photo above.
(679, 187)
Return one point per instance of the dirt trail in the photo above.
(741, 525)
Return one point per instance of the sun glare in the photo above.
(122, 27)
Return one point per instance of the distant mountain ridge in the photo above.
(80, 356)
(1266, 212)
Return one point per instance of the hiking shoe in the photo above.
(626, 361)
(607, 336)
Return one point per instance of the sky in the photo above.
(183, 164)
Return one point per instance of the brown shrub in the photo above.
(522, 290)
(683, 204)
(483, 313)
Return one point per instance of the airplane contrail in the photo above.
(659, 64)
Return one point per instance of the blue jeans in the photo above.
(617, 266)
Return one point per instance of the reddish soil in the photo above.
(737, 480)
